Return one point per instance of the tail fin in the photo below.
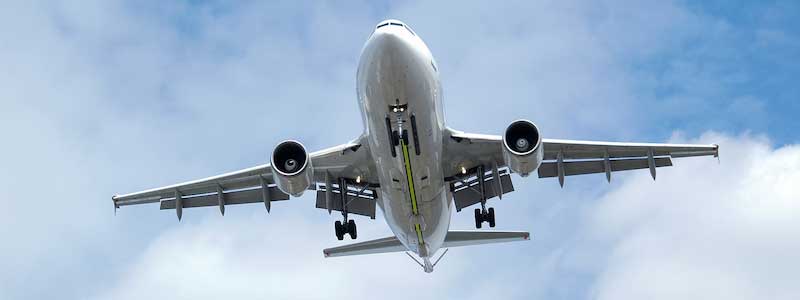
(453, 239)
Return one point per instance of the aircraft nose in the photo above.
(390, 40)
(392, 46)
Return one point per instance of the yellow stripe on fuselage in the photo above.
(409, 177)
(412, 193)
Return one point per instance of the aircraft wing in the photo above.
(587, 157)
(255, 184)
(468, 151)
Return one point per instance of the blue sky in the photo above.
(107, 97)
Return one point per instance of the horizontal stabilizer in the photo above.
(384, 245)
(460, 238)
(453, 239)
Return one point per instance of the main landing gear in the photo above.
(346, 226)
(349, 227)
(484, 215)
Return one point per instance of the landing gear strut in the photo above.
(346, 226)
(483, 214)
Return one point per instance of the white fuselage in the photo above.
(397, 78)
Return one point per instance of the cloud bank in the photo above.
(108, 97)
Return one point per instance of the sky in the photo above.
(107, 97)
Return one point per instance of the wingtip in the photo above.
(116, 206)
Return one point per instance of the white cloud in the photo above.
(275, 257)
(705, 230)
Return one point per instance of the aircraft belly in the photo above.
(413, 194)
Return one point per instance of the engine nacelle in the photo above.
(291, 168)
(522, 147)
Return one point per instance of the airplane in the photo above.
(410, 164)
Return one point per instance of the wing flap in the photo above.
(468, 194)
(233, 197)
(357, 204)
(550, 169)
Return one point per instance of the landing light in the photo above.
(463, 170)
(358, 179)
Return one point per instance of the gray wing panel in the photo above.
(229, 198)
(359, 205)
(550, 169)
(467, 194)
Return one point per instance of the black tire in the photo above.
(351, 228)
(491, 217)
(405, 137)
(339, 230)
(478, 218)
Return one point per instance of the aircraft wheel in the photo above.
(339, 230)
(351, 228)
(491, 217)
(478, 218)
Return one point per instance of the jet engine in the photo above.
(291, 168)
(522, 147)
